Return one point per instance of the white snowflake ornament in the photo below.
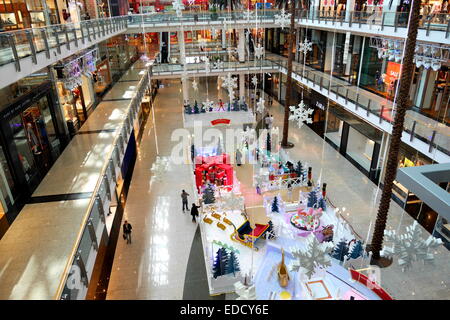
(259, 51)
(283, 19)
(208, 104)
(230, 83)
(260, 105)
(218, 64)
(248, 15)
(195, 85)
(305, 46)
(159, 167)
(178, 6)
(410, 246)
(301, 114)
(315, 255)
(255, 81)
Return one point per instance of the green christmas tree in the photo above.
(208, 195)
(268, 143)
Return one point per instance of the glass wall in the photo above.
(360, 148)
(334, 129)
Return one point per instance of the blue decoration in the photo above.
(340, 251)
(232, 265)
(220, 263)
(275, 207)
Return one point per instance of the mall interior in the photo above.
(251, 146)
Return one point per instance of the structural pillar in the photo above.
(182, 46)
(241, 86)
(224, 38)
(185, 89)
(241, 45)
(349, 8)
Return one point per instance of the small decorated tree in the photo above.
(208, 195)
(322, 203)
(312, 199)
(188, 109)
(232, 265)
(270, 233)
(269, 143)
(340, 251)
(299, 169)
(275, 205)
(196, 110)
(357, 250)
(203, 108)
(220, 263)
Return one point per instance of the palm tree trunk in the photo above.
(291, 37)
(397, 130)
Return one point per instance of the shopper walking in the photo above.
(194, 211)
(127, 231)
(184, 199)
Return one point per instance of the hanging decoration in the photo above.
(207, 65)
(178, 6)
(260, 105)
(195, 85)
(315, 255)
(230, 83)
(305, 46)
(410, 246)
(72, 75)
(301, 114)
(248, 15)
(283, 19)
(218, 64)
(259, 51)
(255, 81)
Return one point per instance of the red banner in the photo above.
(220, 121)
(363, 279)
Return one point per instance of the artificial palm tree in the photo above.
(397, 130)
(291, 41)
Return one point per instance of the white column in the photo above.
(349, 8)
(389, 12)
(224, 38)
(241, 85)
(185, 89)
(182, 46)
(297, 41)
(241, 45)
(329, 52)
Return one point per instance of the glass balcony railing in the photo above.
(15, 45)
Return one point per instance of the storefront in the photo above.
(32, 137)
(316, 58)
(75, 89)
(101, 77)
(23, 14)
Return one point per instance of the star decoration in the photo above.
(255, 80)
(260, 105)
(159, 167)
(178, 6)
(195, 85)
(315, 255)
(410, 246)
(283, 19)
(243, 292)
(301, 114)
(305, 46)
(259, 51)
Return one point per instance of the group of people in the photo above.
(194, 208)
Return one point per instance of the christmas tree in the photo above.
(220, 263)
(322, 203)
(228, 106)
(357, 250)
(268, 143)
(340, 251)
(208, 195)
(196, 111)
(312, 199)
(203, 109)
(270, 234)
(232, 265)
(275, 207)
(299, 169)
(244, 106)
(188, 109)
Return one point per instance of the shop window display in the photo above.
(360, 148)
(334, 129)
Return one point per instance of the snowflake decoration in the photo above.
(305, 46)
(315, 255)
(283, 19)
(230, 83)
(248, 15)
(259, 51)
(301, 114)
(178, 6)
(233, 202)
(255, 80)
(207, 65)
(195, 85)
(191, 2)
(410, 246)
(244, 293)
(218, 64)
(159, 167)
(208, 104)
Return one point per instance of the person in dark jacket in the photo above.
(194, 212)
(127, 231)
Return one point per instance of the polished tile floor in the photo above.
(154, 266)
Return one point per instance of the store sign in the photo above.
(220, 121)
(392, 72)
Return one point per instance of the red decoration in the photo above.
(363, 279)
(220, 121)
(214, 167)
